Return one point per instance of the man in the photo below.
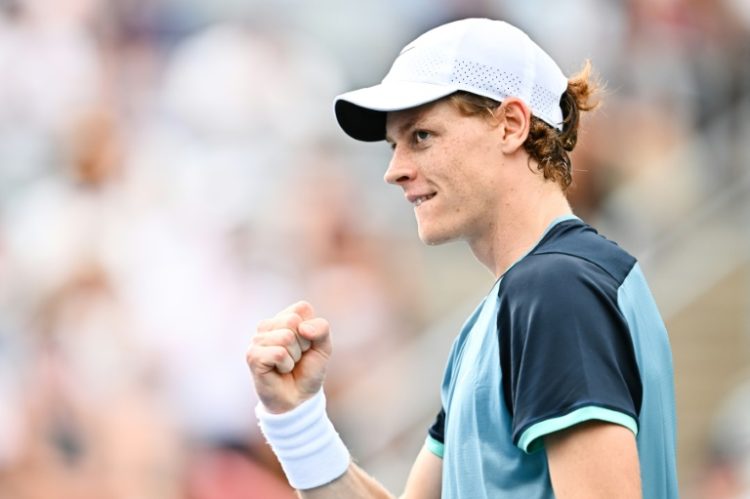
(560, 383)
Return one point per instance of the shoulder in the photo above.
(571, 254)
(566, 352)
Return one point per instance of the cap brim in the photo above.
(361, 113)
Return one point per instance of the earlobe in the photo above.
(515, 119)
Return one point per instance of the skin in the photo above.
(486, 194)
(478, 186)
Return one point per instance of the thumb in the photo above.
(318, 332)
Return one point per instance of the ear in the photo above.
(514, 119)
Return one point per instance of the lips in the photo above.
(418, 199)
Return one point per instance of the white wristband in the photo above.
(306, 443)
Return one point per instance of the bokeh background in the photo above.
(171, 173)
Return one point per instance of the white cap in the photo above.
(485, 57)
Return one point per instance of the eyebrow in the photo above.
(407, 125)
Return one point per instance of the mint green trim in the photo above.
(531, 441)
(561, 218)
(434, 446)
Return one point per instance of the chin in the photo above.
(435, 237)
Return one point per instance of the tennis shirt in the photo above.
(570, 333)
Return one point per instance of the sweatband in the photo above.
(306, 443)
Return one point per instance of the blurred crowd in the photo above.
(171, 173)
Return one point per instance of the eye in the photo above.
(421, 136)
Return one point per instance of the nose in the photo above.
(400, 170)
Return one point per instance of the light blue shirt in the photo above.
(581, 339)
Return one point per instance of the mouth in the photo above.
(418, 200)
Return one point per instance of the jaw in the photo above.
(433, 234)
(436, 222)
(454, 225)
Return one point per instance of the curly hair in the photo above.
(546, 145)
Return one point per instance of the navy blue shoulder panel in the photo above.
(564, 343)
(575, 238)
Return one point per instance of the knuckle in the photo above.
(291, 320)
(304, 307)
(278, 355)
(287, 337)
(264, 325)
(251, 357)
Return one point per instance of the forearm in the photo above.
(354, 484)
(318, 465)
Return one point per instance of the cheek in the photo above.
(474, 178)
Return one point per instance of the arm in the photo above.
(424, 482)
(593, 460)
(426, 477)
(288, 359)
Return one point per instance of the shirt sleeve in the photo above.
(566, 352)
(435, 435)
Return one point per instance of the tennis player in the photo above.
(560, 383)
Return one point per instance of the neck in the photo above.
(519, 224)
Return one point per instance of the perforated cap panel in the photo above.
(481, 56)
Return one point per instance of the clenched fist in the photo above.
(288, 357)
